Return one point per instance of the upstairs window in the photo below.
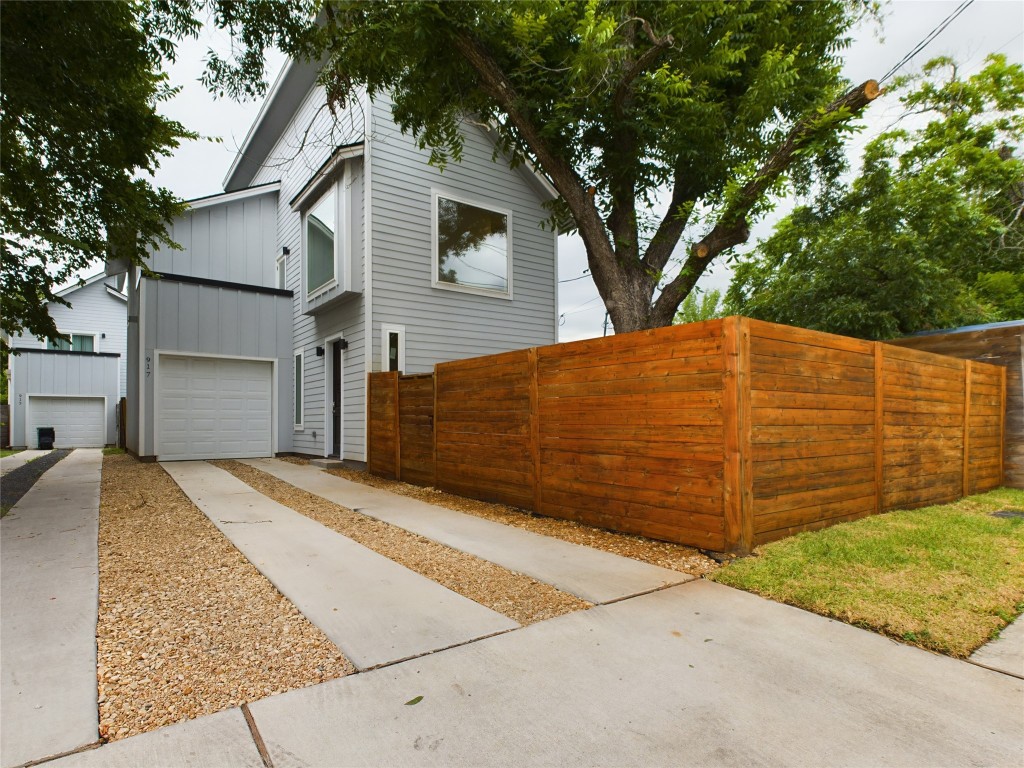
(321, 235)
(472, 247)
(80, 342)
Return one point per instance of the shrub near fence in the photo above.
(722, 435)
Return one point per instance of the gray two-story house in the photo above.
(335, 249)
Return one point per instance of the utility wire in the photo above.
(571, 279)
(928, 39)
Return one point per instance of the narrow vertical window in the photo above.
(280, 273)
(298, 389)
(392, 348)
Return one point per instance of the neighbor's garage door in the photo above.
(79, 422)
(213, 408)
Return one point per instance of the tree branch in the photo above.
(648, 57)
(564, 177)
(731, 228)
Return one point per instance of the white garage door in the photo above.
(78, 422)
(213, 408)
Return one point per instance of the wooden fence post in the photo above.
(879, 426)
(398, 432)
(1002, 422)
(966, 490)
(738, 474)
(433, 426)
(534, 426)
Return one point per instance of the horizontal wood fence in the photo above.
(723, 434)
(1000, 344)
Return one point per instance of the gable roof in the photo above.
(63, 292)
(283, 100)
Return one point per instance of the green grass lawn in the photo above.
(4, 453)
(112, 450)
(947, 578)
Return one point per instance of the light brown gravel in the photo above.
(674, 556)
(519, 597)
(187, 626)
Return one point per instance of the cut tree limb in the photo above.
(732, 227)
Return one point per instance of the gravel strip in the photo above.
(187, 626)
(17, 482)
(677, 557)
(519, 597)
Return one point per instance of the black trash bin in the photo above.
(46, 437)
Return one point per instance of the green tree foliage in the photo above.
(700, 306)
(695, 109)
(929, 235)
(78, 126)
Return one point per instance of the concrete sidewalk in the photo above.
(48, 591)
(594, 575)
(698, 674)
(20, 459)
(1006, 652)
(375, 610)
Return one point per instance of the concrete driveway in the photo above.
(691, 674)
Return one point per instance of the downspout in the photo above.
(367, 260)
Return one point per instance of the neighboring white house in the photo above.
(72, 385)
(335, 250)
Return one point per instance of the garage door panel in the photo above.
(214, 408)
(79, 422)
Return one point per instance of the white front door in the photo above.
(78, 422)
(213, 408)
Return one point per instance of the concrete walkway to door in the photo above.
(49, 587)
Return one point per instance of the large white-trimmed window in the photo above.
(472, 246)
(392, 347)
(80, 342)
(321, 234)
(297, 415)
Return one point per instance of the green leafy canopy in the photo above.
(79, 128)
(928, 235)
(659, 123)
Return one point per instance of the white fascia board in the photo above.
(116, 293)
(228, 197)
(313, 188)
(261, 115)
(87, 281)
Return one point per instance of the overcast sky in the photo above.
(987, 26)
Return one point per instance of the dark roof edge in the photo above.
(39, 351)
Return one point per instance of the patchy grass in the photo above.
(4, 453)
(947, 578)
(113, 450)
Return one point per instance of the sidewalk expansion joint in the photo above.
(995, 669)
(84, 748)
(261, 747)
(437, 650)
(662, 588)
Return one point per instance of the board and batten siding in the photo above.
(55, 373)
(185, 318)
(95, 311)
(232, 241)
(442, 324)
(309, 140)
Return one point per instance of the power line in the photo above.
(928, 39)
(571, 279)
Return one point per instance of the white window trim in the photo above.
(280, 273)
(299, 389)
(385, 330)
(340, 186)
(435, 193)
(69, 334)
